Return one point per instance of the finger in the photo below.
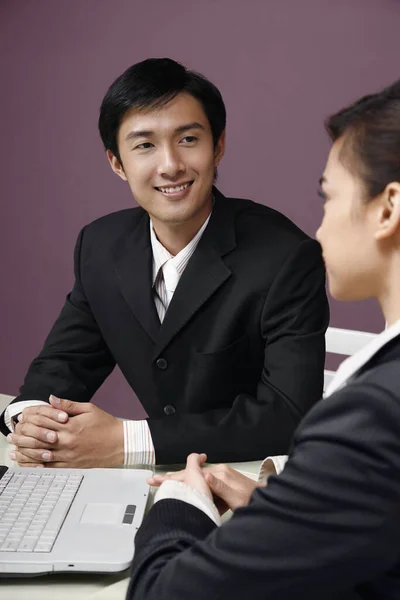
(159, 479)
(170, 473)
(28, 432)
(69, 406)
(194, 461)
(219, 469)
(59, 465)
(39, 421)
(23, 441)
(29, 456)
(33, 414)
(177, 476)
(154, 482)
(203, 458)
(156, 477)
(217, 486)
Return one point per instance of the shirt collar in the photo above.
(161, 255)
(353, 364)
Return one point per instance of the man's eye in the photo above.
(144, 146)
(189, 139)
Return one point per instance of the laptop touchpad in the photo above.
(103, 514)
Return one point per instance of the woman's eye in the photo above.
(322, 195)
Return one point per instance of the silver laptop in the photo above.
(69, 519)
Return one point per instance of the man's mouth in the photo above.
(174, 189)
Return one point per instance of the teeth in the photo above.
(171, 190)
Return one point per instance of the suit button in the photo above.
(169, 409)
(162, 364)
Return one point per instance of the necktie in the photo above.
(171, 279)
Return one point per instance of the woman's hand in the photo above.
(230, 488)
(229, 485)
(192, 475)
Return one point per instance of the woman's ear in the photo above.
(388, 212)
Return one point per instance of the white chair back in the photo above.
(346, 342)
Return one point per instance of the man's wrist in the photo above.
(118, 444)
(138, 444)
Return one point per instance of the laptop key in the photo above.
(58, 515)
(27, 545)
(43, 547)
(10, 545)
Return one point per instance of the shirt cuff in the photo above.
(138, 444)
(15, 409)
(279, 463)
(181, 491)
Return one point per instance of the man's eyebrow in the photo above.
(133, 135)
(187, 126)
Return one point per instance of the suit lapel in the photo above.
(205, 273)
(133, 267)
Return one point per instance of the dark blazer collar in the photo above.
(203, 276)
(133, 266)
(220, 231)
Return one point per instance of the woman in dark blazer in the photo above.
(328, 527)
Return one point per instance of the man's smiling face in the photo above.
(168, 159)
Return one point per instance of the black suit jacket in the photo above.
(327, 528)
(239, 357)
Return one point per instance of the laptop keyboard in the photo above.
(33, 508)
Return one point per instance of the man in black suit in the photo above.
(213, 308)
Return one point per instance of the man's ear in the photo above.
(219, 150)
(116, 165)
(388, 212)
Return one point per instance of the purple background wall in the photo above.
(281, 66)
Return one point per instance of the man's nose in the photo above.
(170, 165)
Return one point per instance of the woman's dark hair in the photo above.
(371, 132)
(152, 84)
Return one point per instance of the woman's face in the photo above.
(346, 233)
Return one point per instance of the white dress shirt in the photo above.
(167, 270)
(343, 375)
